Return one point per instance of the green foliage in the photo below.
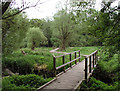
(36, 23)
(13, 32)
(23, 82)
(99, 85)
(64, 29)
(23, 64)
(110, 66)
(105, 76)
(35, 37)
(55, 41)
(81, 13)
(105, 26)
(47, 30)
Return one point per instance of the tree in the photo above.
(63, 28)
(13, 32)
(47, 30)
(106, 28)
(81, 12)
(37, 23)
(35, 37)
(21, 6)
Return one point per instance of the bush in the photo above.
(94, 85)
(99, 85)
(110, 66)
(21, 64)
(19, 83)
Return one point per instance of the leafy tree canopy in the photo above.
(35, 37)
(13, 32)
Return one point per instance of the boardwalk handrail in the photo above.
(63, 60)
(66, 54)
(93, 58)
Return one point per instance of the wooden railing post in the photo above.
(90, 64)
(75, 58)
(97, 56)
(79, 55)
(54, 65)
(85, 68)
(93, 61)
(70, 60)
(64, 63)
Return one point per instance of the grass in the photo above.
(83, 51)
(40, 59)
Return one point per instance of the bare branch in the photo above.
(24, 6)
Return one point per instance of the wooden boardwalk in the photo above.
(69, 79)
(72, 78)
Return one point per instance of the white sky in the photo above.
(48, 9)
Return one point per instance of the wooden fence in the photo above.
(90, 62)
(63, 60)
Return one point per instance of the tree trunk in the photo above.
(63, 45)
(33, 45)
(5, 6)
(49, 43)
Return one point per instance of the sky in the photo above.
(49, 8)
(44, 10)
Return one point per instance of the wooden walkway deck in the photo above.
(72, 78)
(69, 79)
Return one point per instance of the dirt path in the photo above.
(69, 79)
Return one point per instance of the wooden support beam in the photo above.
(93, 61)
(90, 64)
(64, 63)
(79, 56)
(70, 60)
(54, 66)
(86, 68)
(75, 58)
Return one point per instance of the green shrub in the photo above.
(22, 64)
(99, 85)
(22, 82)
(94, 84)
(111, 65)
